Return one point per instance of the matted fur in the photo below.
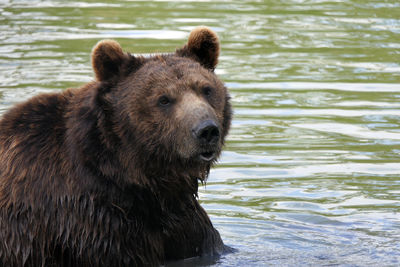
(102, 175)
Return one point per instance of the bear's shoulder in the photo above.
(35, 113)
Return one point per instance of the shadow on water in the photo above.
(205, 260)
(197, 261)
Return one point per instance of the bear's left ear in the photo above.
(107, 59)
(202, 46)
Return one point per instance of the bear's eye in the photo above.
(207, 91)
(164, 101)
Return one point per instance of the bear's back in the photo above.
(31, 132)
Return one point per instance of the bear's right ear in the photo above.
(202, 46)
(107, 59)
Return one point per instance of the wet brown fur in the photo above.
(103, 176)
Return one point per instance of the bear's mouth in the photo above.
(207, 155)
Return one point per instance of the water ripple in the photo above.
(310, 172)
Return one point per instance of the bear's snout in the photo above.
(207, 135)
(207, 132)
(201, 132)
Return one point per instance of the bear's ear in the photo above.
(107, 59)
(202, 46)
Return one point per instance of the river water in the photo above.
(310, 175)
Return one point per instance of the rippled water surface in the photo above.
(311, 172)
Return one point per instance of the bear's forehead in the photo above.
(173, 64)
(169, 69)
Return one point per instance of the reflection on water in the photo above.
(310, 174)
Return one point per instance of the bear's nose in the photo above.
(207, 132)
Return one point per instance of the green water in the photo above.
(310, 175)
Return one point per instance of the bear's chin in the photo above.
(199, 155)
(207, 156)
(203, 158)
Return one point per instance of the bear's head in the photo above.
(168, 110)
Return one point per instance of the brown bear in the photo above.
(107, 174)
